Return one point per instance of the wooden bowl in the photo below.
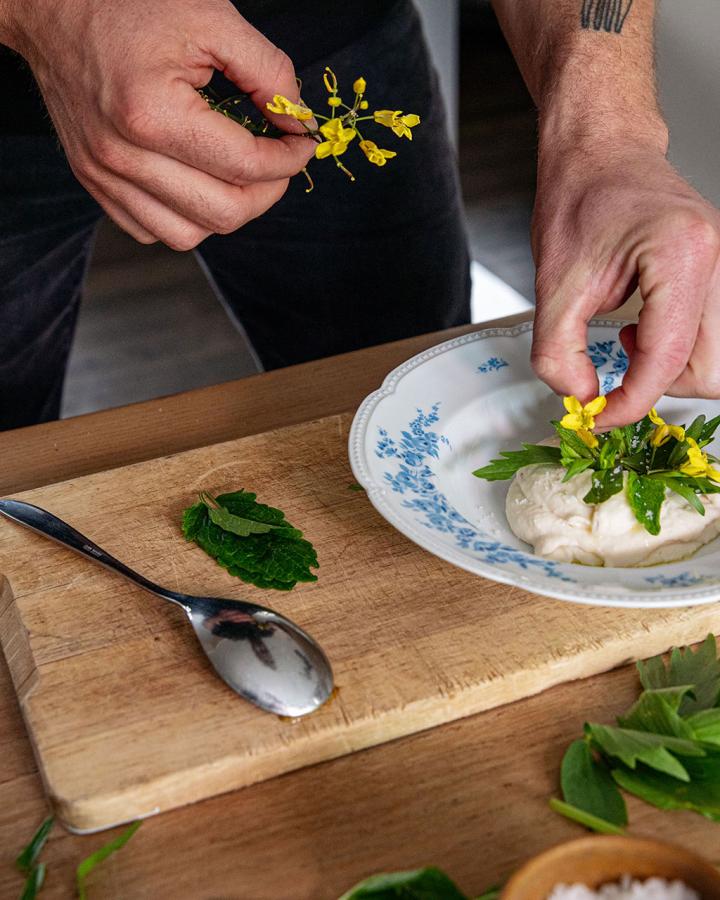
(594, 861)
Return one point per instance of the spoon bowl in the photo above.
(260, 654)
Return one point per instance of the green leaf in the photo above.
(700, 793)
(687, 493)
(587, 785)
(646, 497)
(610, 451)
(88, 864)
(631, 747)
(35, 880)
(570, 441)
(278, 559)
(701, 669)
(641, 431)
(240, 525)
(705, 725)
(605, 484)
(420, 884)
(584, 818)
(576, 467)
(695, 429)
(29, 855)
(710, 428)
(656, 711)
(512, 460)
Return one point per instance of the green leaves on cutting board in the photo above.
(252, 541)
(664, 750)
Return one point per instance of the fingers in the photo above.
(206, 140)
(123, 219)
(559, 351)
(675, 279)
(200, 198)
(256, 66)
(174, 120)
(133, 208)
(701, 377)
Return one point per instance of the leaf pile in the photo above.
(252, 541)
(664, 750)
(623, 458)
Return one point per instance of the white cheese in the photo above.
(553, 517)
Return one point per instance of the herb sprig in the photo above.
(252, 541)
(646, 459)
(664, 750)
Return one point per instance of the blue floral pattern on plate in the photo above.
(682, 580)
(413, 477)
(611, 361)
(494, 364)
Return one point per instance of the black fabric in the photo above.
(348, 265)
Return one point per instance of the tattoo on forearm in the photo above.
(605, 15)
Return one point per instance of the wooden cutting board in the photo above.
(127, 717)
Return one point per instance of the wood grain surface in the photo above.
(126, 715)
(470, 795)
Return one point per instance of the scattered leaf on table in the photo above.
(29, 855)
(88, 864)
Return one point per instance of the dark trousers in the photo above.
(346, 266)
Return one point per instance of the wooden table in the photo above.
(470, 796)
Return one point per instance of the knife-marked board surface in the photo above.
(127, 716)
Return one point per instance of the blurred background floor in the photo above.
(145, 308)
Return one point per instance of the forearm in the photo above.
(589, 65)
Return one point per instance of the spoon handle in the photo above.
(45, 523)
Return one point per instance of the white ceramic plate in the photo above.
(415, 443)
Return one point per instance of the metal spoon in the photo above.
(263, 656)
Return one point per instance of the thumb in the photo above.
(256, 66)
(559, 350)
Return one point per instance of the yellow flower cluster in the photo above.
(338, 130)
(581, 419)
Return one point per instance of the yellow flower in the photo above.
(376, 154)
(330, 80)
(588, 438)
(698, 463)
(284, 107)
(399, 123)
(664, 432)
(364, 104)
(337, 138)
(581, 418)
(359, 85)
(334, 101)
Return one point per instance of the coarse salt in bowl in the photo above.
(627, 889)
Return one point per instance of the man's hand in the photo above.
(610, 218)
(611, 214)
(119, 81)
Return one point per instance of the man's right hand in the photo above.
(119, 80)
